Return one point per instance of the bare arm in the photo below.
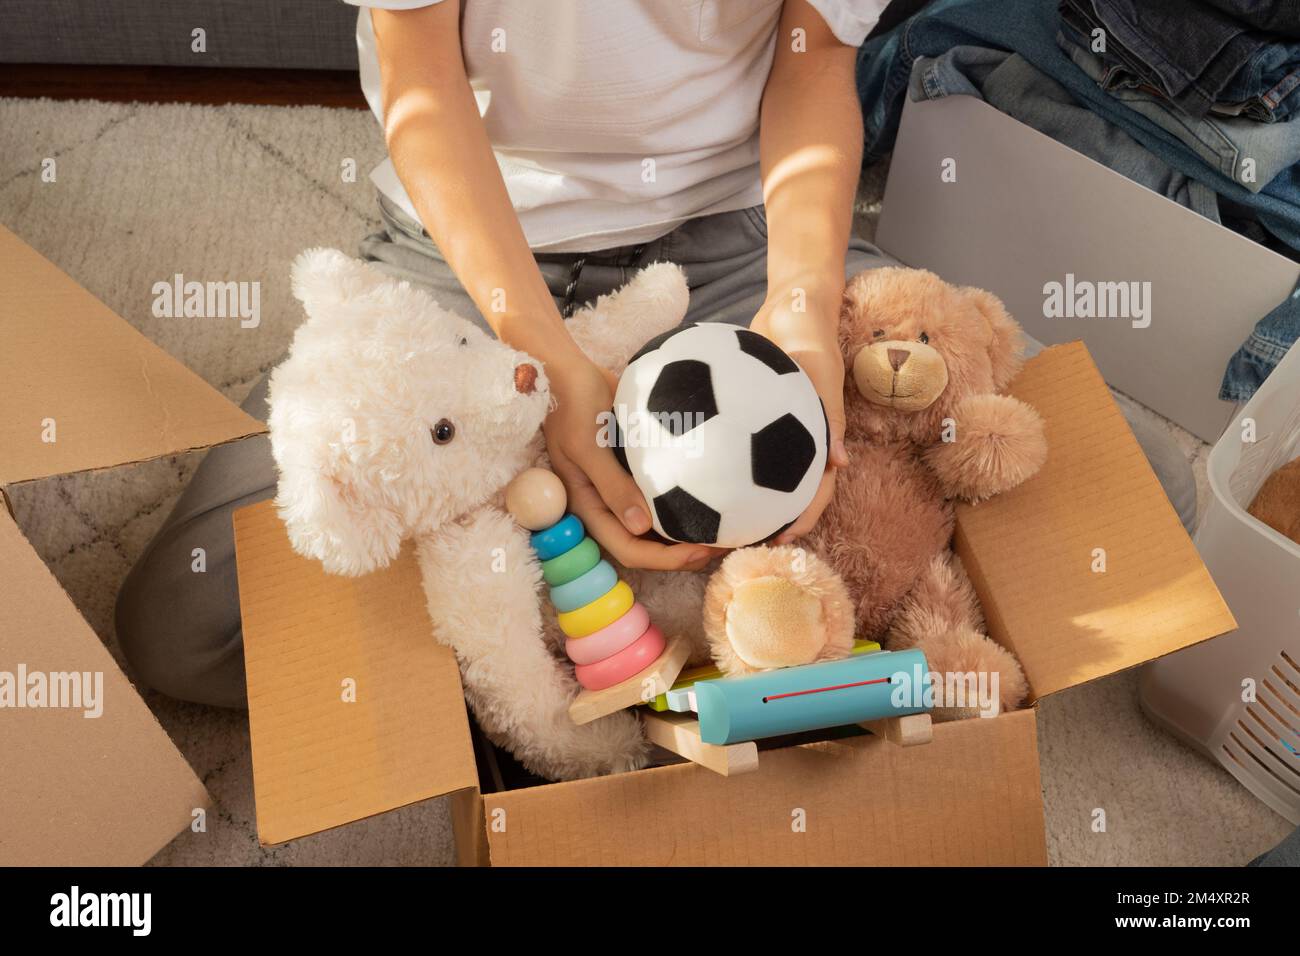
(440, 149)
(810, 149)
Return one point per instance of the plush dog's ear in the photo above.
(1007, 346)
(327, 522)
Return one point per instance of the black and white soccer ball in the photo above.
(723, 433)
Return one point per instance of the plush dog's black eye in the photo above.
(443, 432)
(925, 339)
(878, 333)
(463, 342)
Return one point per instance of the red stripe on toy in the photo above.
(822, 690)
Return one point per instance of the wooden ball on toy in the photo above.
(536, 499)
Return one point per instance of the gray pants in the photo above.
(181, 631)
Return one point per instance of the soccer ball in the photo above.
(723, 433)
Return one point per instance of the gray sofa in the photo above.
(284, 34)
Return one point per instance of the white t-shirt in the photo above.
(615, 120)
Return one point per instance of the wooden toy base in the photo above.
(648, 684)
(905, 731)
(680, 734)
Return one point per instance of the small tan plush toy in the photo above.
(926, 424)
(1278, 502)
(768, 607)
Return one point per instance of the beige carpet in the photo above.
(233, 193)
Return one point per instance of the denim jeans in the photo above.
(1186, 49)
(1266, 87)
(1243, 150)
(1029, 27)
(1268, 16)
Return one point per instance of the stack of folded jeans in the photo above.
(1201, 56)
(1227, 92)
(1196, 99)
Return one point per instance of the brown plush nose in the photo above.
(898, 357)
(525, 378)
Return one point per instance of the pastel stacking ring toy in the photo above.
(629, 662)
(604, 610)
(574, 563)
(610, 637)
(558, 538)
(584, 589)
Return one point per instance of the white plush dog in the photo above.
(394, 419)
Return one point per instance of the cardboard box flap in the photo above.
(971, 796)
(353, 707)
(1085, 570)
(82, 389)
(76, 789)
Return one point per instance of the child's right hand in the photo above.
(601, 493)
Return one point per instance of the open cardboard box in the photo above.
(80, 389)
(971, 796)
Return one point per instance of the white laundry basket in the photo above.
(1201, 693)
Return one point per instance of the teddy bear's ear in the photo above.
(326, 520)
(326, 280)
(325, 516)
(1007, 345)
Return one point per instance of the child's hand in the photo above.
(600, 492)
(810, 151)
(811, 339)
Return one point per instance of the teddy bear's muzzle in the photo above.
(908, 376)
